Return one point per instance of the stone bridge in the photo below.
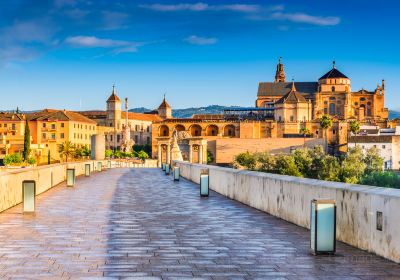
(140, 224)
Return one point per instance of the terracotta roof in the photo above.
(371, 139)
(94, 114)
(164, 105)
(333, 74)
(141, 116)
(4, 116)
(59, 115)
(292, 97)
(281, 88)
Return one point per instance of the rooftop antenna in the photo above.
(334, 64)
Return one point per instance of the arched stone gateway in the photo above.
(229, 131)
(163, 131)
(195, 130)
(212, 130)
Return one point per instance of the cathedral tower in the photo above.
(164, 110)
(280, 72)
(113, 109)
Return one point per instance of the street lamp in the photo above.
(28, 196)
(70, 177)
(176, 173)
(87, 169)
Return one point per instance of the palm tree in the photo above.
(66, 149)
(355, 129)
(305, 131)
(325, 122)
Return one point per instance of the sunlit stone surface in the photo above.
(140, 223)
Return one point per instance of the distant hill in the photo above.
(394, 114)
(217, 109)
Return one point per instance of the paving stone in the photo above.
(139, 224)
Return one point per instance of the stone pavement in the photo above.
(139, 224)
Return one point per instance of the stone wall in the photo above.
(47, 177)
(228, 148)
(289, 198)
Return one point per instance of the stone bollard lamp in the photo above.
(87, 169)
(204, 183)
(323, 226)
(167, 169)
(99, 166)
(28, 196)
(70, 177)
(176, 173)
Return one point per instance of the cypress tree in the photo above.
(27, 141)
(48, 158)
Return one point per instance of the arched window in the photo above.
(333, 88)
(164, 131)
(212, 130)
(195, 130)
(332, 109)
(229, 130)
(179, 127)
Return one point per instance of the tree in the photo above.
(48, 158)
(305, 132)
(325, 123)
(27, 141)
(13, 159)
(246, 160)
(355, 128)
(353, 166)
(317, 155)
(382, 179)
(108, 153)
(142, 155)
(286, 165)
(210, 156)
(265, 162)
(373, 161)
(330, 169)
(303, 160)
(67, 150)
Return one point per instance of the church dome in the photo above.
(333, 74)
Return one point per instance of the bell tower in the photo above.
(280, 72)
(113, 109)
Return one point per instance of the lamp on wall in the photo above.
(28, 196)
(70, 177)
(204, 183)
(323, 226)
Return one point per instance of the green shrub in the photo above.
(265, 162)
(108, 153)
(382, 179)
(353, 166)
(330, 169)
(286, 165)
(373, 161)
(142, 155)
(31, 161)
(13, 159)
(246, 160)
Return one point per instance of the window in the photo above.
(13, 127)
(333, 89)
(291, 118)
(148, 141)
(44, 135)
(5, 125)
(383, 146)
(136, 139)
(53, 126)
(332, 98)
(62, 135)
(325, 111)
(280, 118)
(326, 102)
(118, 137)
(44, 125)
(111, 137)
(362, 99)
(53, 136)
(62, 124)
(333, 132)
(148, 129)
(332, 108)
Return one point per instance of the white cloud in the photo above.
(114, 20)
(196, 40)
(94, 42)
(305, 18)
(200, 7)
(117, 46)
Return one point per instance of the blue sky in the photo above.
(68, 53)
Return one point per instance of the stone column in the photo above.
(201, 154)
(190, 153)
(168, 153)
(159, 156)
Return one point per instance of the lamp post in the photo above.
(70, 177)
(167, 169)
(87, 169)
(323, 226)
(28, 196)
(204, 183)
(176, 173)
(99, 167)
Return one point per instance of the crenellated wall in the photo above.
(289, 198)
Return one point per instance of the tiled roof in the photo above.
(4, 116)
(271, 89)
(94, 114)
(113, 97)
(292, 97)
(59, 115)
(141, 116)
(333, 74)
